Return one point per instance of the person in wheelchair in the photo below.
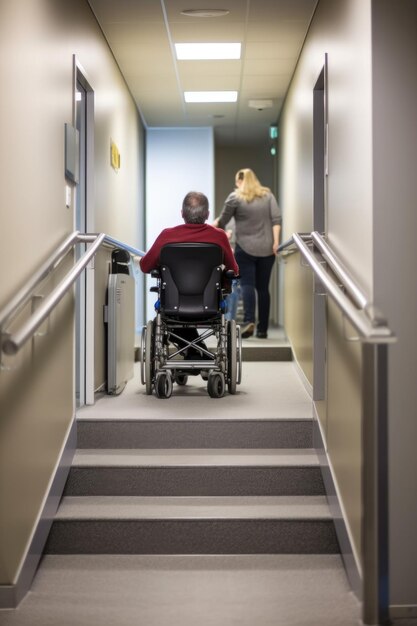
(194, 264)
(195, 213)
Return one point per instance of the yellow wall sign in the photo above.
(114, 156)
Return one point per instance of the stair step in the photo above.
(198, 525)
(195, 472)
(195, 457)
(125, 508)
(266, 353)
(194, 433)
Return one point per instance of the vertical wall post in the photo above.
(375, 483)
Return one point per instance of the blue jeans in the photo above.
(232, 301)
(255, 273)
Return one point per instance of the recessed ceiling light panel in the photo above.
(205, 12)
(210, 96)
(206, 51)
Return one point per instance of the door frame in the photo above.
(320, 174)
(87, 354)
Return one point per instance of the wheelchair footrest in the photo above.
(184, 365)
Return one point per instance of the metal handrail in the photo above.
(290, 242)
(348, 282)
(23, 294)
(370, 330)
(12, 343)
(375, 336)
(111, 242)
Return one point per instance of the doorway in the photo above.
(320, 172)
(83, 222)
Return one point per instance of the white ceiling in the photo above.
(142, 33)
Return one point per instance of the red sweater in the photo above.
(189, 233)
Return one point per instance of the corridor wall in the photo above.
(371, 219)
(394, 83)
(38, 41)
(342, 30)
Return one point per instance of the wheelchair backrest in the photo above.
(191, 275)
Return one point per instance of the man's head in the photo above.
(195, 208)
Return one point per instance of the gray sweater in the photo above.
(254, 221)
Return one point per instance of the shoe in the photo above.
(261, 334)
(248, 330)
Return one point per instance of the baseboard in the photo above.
(307, 385)
(11, 595)
(350, 561)
(403, 611)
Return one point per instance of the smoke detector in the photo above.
(260, 105)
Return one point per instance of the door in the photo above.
(320, 127)
(84, 342)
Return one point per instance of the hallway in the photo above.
(204, 589)
(103, 142)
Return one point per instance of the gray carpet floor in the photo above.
(250, 590)
(279, 590)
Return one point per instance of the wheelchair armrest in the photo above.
(231, 275)
(228, 277)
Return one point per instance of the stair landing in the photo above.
(268, 391)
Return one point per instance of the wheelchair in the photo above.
(190, 298)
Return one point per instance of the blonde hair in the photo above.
(251, 187)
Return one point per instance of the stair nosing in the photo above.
(128, 508)
(135, 458)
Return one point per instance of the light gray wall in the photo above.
(37, 44)
(342, 29)
(395, 262)
(371, 223)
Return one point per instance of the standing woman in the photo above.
(258, 223)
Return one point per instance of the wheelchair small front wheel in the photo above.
(216, 385)
(181, 379)
(163, 385)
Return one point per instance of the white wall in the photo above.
(178, 160)
(395, 262)
(37, 44)
(342, 29)
(371, 224)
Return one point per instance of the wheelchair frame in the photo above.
(161, 350)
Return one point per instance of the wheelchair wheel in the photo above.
(231, 356)
(239, 354)
(215, 385)
(181, 379)
(142, 355)
(163, 385)
(149, 366)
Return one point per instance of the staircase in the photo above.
(205, 484)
